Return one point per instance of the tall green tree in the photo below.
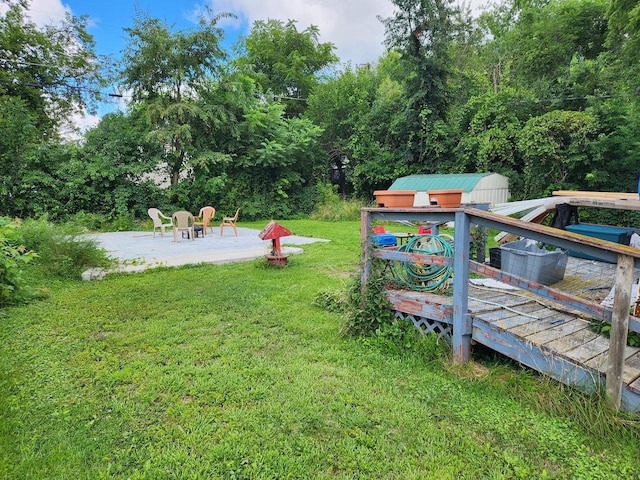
(277, 165)
(117, 167)
(285, 61)
(53, 69)
(547, 43)
(421, 31)
(167, 72)
(362, 113)
(46, 75)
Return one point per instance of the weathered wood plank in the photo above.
(630, 373)
(534, 356)
(426, 310)
(589, 350)
(571, 341)
(619, 328)
(589, 194)
(561, 329)
(514, 318)
(547, 319)
(486, 307)
(632, 368)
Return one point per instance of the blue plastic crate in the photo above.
(385, 240)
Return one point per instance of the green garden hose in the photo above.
(425, 277)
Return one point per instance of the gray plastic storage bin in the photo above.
(525, 259)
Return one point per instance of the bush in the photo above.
(332, 207)
(13, 256)
(370, 317)
(62, 251)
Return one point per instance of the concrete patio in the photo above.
(138, 251)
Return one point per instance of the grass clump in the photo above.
(63, 251)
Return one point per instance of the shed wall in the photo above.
(491, 189)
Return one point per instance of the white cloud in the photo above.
(72, 131)
(351, 25)
(44, 12)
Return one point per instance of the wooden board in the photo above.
(567, 327)
(590, 349)
(583, 193)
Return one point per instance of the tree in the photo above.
(285, 62)
(421, 31)
(276, 165)
(340, 107)
(167, 73)
(623, 40)
(118, 167)
(47, 74)
(546, 45)
(557, 149)
(53, 69)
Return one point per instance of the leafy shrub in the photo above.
(604, 328)
(13, 256)
(370, 317)
(62, 251)
(333, 208)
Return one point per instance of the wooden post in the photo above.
(619, 329)
(365, 245)
(462, 327)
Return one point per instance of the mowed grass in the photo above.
(231, 372)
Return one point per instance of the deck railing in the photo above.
(622, 259)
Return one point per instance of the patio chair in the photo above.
(182, 222)
(204, 219)
(230, 222)
(157, 217)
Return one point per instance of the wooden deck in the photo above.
(538, 333)
(543, 327)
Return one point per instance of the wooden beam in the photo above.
(462, 322)
(366, 245)
(578, 193)
(619, 329)
(604, 202)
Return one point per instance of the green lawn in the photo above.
(231, 372)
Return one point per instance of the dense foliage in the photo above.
(544, 92)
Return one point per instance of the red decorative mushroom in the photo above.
(274, 231)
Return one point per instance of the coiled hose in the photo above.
(425, 277)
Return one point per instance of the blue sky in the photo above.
(351, 25)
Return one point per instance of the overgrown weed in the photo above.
(62, 250)
(590, 411)
(332, 207)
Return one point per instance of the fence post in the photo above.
(619, 329)
(365, 245)
(462, 327)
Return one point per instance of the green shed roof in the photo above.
(464, 181)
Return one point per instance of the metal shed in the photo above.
(489, 188)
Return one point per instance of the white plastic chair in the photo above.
(157, 217)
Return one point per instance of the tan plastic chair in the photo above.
(230, 222)
(182, 222)
(157, 217)
(204, 219)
